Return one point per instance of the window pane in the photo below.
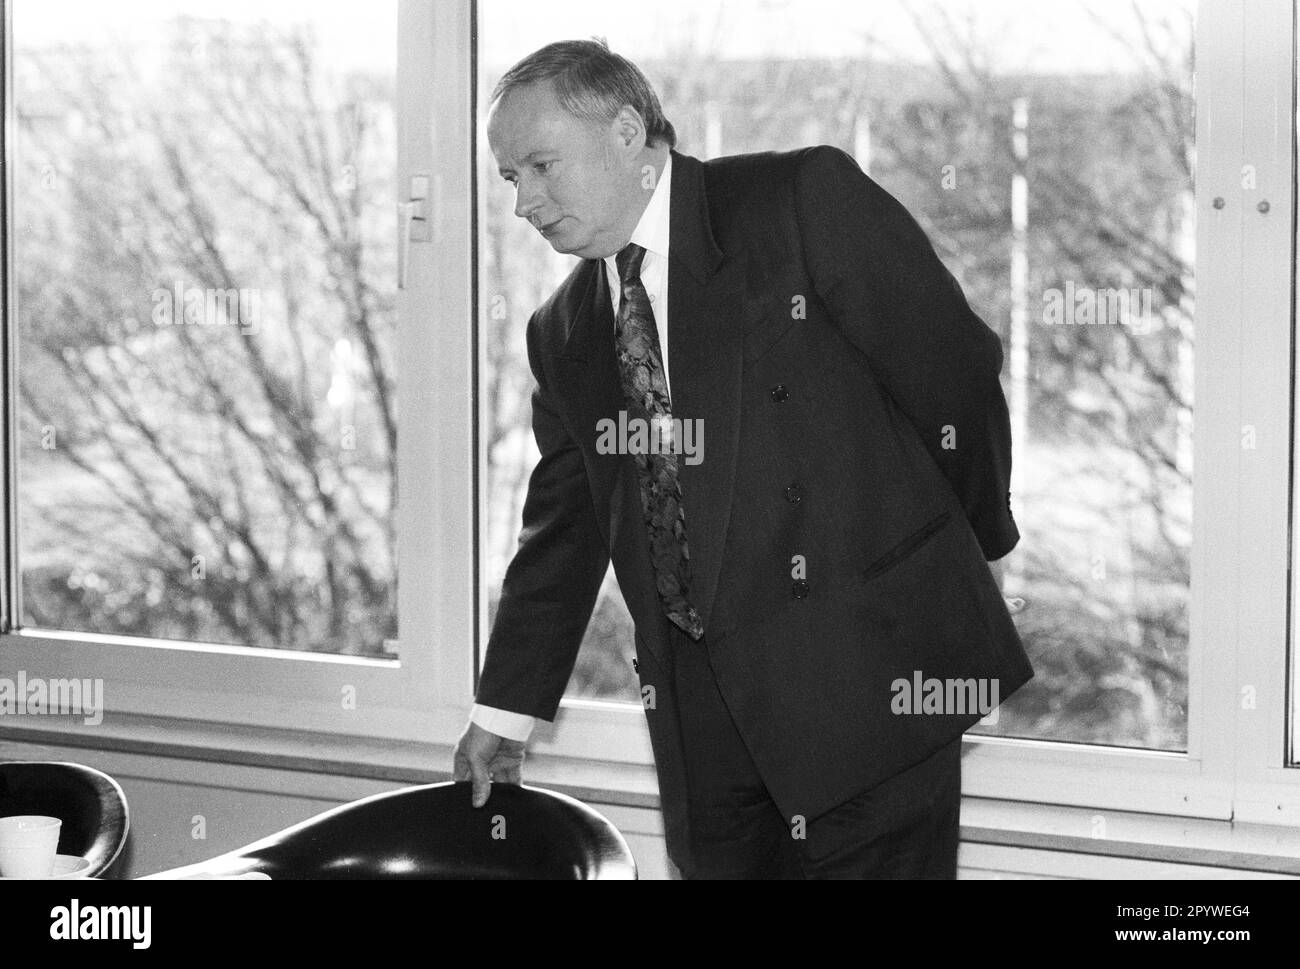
(1048, 154)
(205, 255)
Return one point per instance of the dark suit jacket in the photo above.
(884, 461)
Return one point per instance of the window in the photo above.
(144, 150)
(1043, 169)
(1056, 157)
(219, 216)
(205, 309)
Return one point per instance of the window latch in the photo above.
(412, 224)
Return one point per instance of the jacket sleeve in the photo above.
(551, 584)
(886, 288)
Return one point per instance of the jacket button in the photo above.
(799, 589)
(780, 394)
(794, 494)
(635, 667)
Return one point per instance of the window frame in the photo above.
(422, 695)
(1233, 767)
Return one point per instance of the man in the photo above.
(826, 554)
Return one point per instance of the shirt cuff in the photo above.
(503, 723)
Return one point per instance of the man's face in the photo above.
(576, 182)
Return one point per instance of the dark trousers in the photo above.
(905, 827)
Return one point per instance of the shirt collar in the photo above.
(651, 232)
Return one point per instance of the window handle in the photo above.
(412, 224)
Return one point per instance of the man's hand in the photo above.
(1015, 604)
(482, 757)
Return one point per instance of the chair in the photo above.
(433, 832)
(90, 804)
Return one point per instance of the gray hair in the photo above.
(592, 83)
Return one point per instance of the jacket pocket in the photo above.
(906, 547)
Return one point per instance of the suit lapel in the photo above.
(590, 373)
(705, 333)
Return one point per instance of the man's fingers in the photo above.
(482, 782)
(460, 767)
(481, 756)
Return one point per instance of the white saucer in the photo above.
(65, 866)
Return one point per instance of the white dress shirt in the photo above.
(651, 234)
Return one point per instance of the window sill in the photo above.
(1270, 849)
(399, 762)
(1075, 830)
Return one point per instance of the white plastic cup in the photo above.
(29, 844)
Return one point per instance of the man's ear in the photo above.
(629, 128)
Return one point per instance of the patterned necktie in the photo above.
(636, 343)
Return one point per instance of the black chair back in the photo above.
(90, 804)
(433, 832)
